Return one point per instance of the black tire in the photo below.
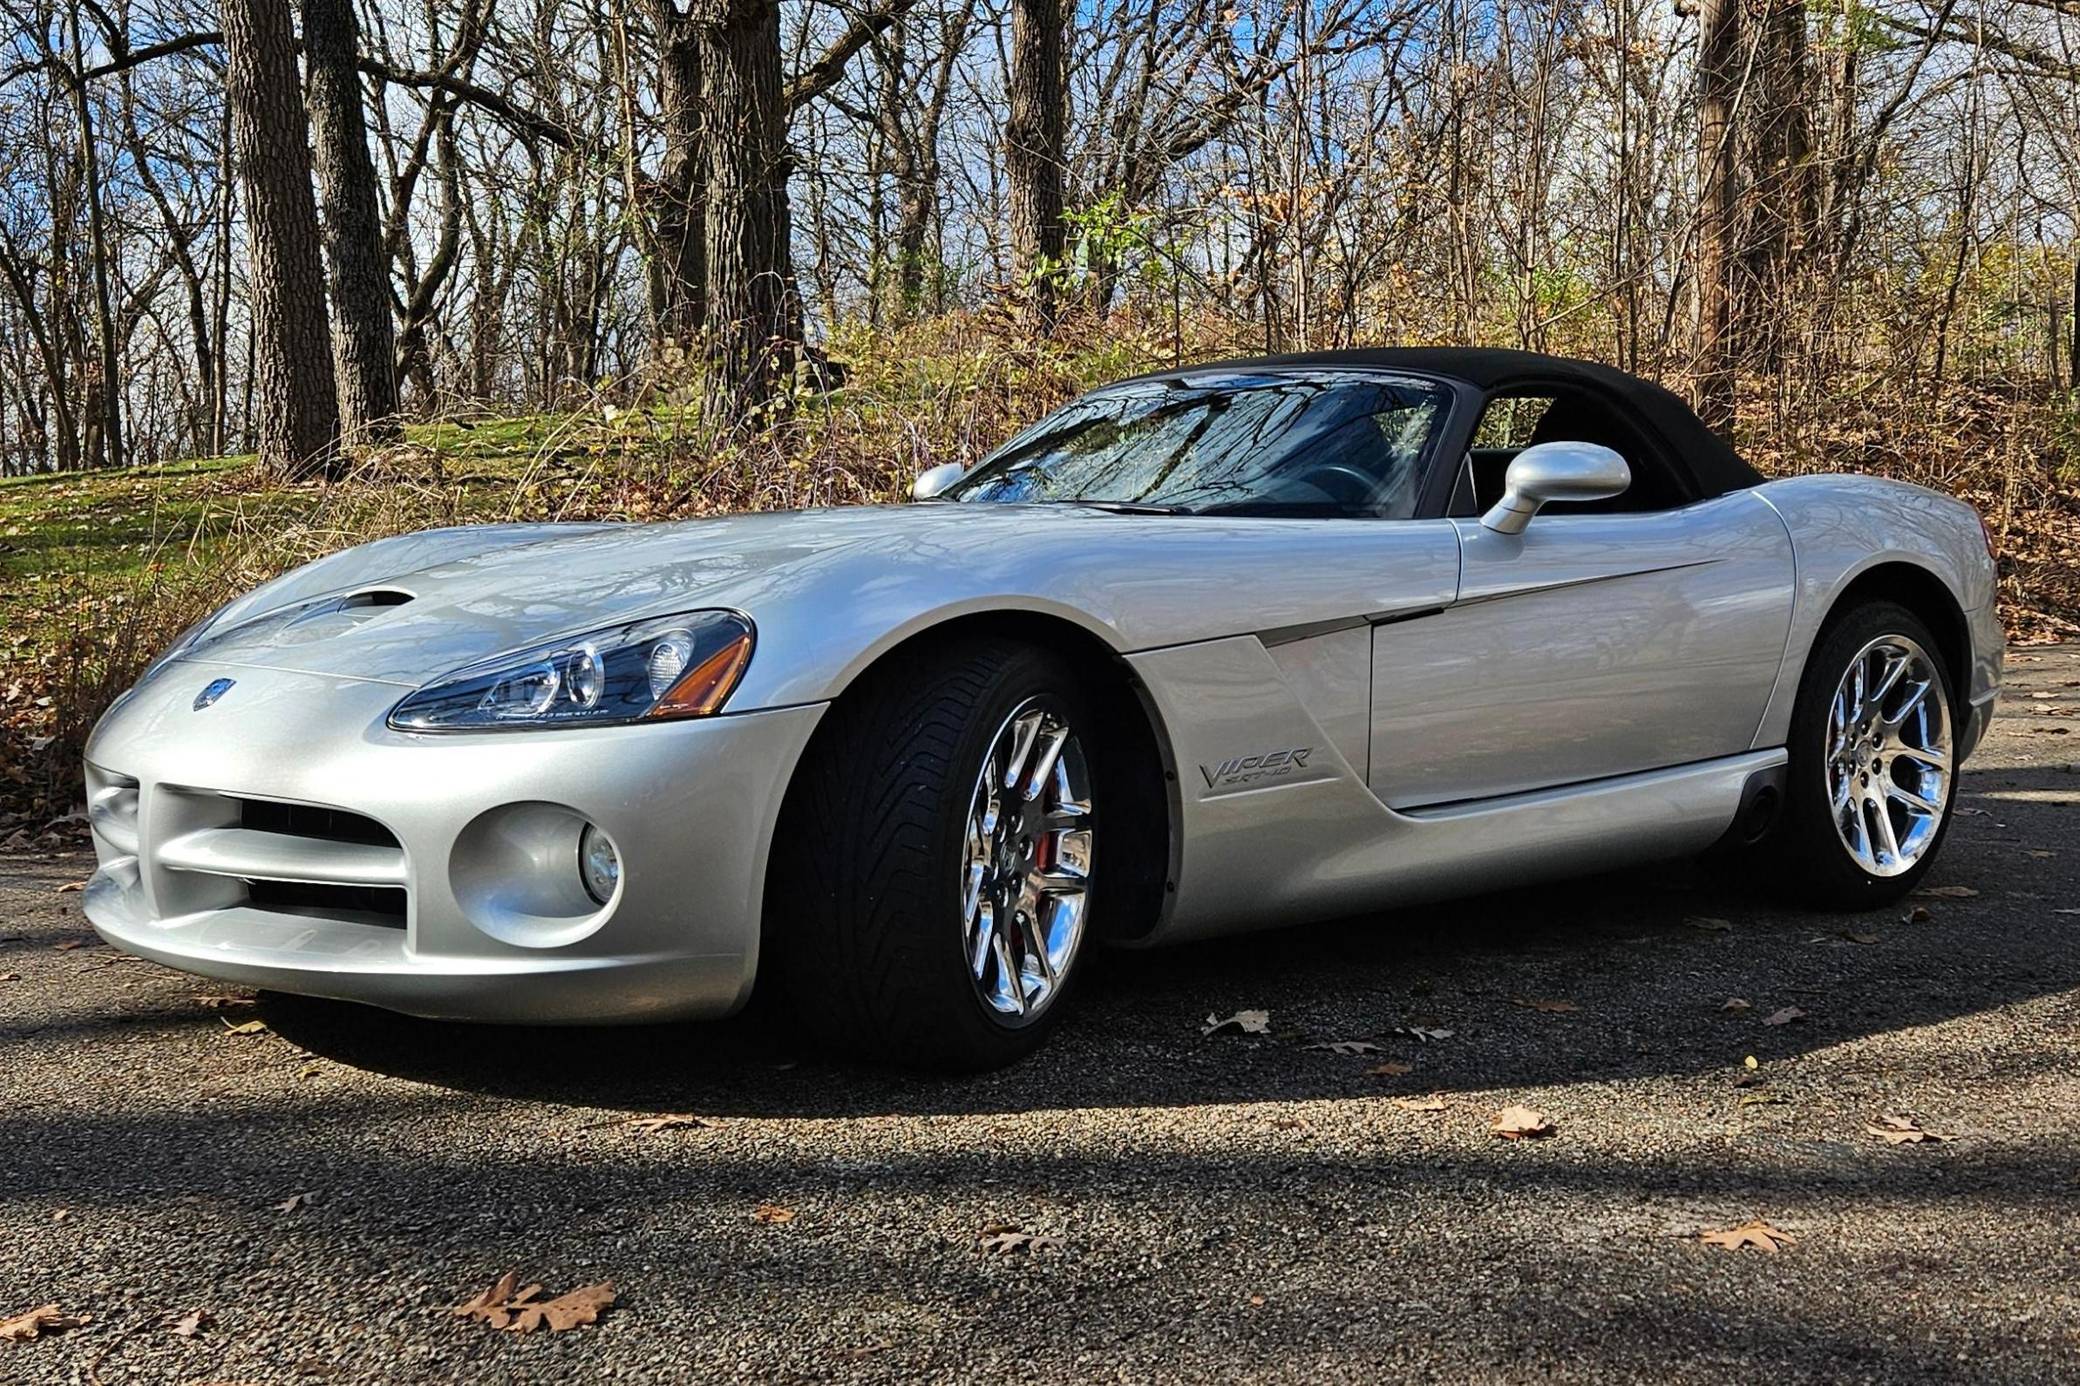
(865, 914)
(1819, 868)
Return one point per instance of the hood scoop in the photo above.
(338, 615)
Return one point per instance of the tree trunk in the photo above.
(1718, 78)
(681, 268)
(2073, 324)
(297, 424)
(363, 345)
(750, 323)
(109, 368)
(1033, 154)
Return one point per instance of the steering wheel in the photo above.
(1341, 482)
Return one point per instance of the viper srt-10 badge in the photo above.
(1249, 769)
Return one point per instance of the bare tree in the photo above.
(363, 345)
(298, 425)
(1033, 154)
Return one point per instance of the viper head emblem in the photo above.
(213, 690)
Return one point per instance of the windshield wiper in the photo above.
(1125, 507)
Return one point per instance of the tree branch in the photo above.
(829, 68)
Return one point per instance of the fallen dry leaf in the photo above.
(581, 1306)
(1006, 1241)
(667, 1121)
(191, 1324)
(1240, 1023)
(10, 977)
(223, 1003)
(1345, 1046)
(1762, 1097)
(2066, 911)
(1947, 892)
(1784, 1017)
(1861, 938)
(1389, 1069)
(1519, 1123)
(1432, 1103)
(34, 1323)
(1919, 915)
(1757, 1234)
(1549, 1007)
(71, 886)
(772, 1214)
(250, 1027)
(1737, 1004)
(1427, 1034)
(71, 943)
(523, 1311)
(293, 1202)
(1900, 1130)
(1710, 926)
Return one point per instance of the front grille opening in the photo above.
(380, 905)
(309, 820)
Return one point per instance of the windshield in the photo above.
(1328, 443)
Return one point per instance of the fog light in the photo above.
(599, 865)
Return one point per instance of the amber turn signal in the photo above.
(704, 688)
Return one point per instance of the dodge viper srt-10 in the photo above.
(1219, 648)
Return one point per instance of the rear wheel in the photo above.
(1873, 760)
(935, 867)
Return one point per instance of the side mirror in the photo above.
(931, 481)
(1554, 472)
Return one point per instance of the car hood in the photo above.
(409, 609)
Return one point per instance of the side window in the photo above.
(1513, 421)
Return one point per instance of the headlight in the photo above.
(669, 666)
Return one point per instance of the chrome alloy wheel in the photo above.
(1026, 866)
(1888, 755)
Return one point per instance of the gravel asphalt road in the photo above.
(1232, 1207)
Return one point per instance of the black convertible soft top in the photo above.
(1714, 467)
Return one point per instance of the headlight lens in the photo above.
(669, 666)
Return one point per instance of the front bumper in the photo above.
(473, 836)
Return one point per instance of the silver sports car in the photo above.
(1215, 649)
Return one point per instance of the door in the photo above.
(1590, 645)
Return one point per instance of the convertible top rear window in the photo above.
(1260, 443)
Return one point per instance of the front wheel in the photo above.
(1873, 760)
(935, 867)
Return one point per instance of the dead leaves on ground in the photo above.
(524, 1311)
(250, 1027)
(1009, 1241)
(1784, 1017)
(1349, 1048)
(294, 1202)
(1521, 1123)
(667, 1121)
(225, 1003)
(1756, 1235)
(1432, 1103)
(1390, 1069)
(1946, 892)
(191, 1324)
(1240, 1023)
(36, 1323)
(1902, 1130)
(772, 1214)
(1548, 1007)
